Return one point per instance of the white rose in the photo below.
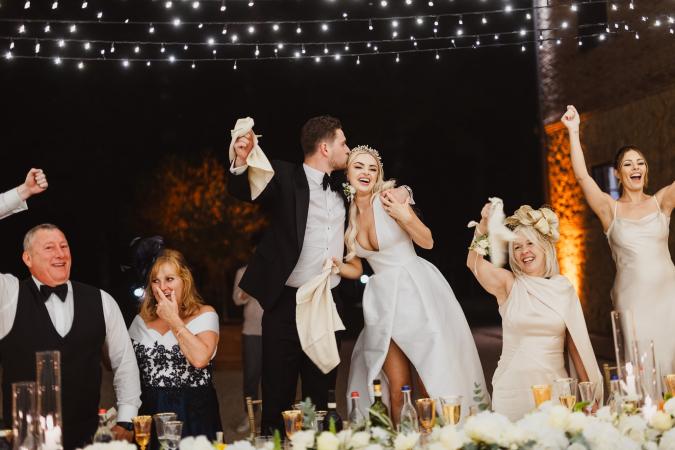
(634, 427)
(435, 446)
(451, 438)
(577, 446)
(661, 421)
(240, 445)
(558, 416)
(301, 440)
(379, 434)
(374, 447)
(576, 422)
(344, 437)
(668, 440)
(486, 427)
(406, 441)
(605, 414)
(327, 441)
(359, 440)
(669, 407)
(651, 445)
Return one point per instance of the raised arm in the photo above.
(402, 212)
(495, 280)
(238, 183)
(13, 201)
(600, 202)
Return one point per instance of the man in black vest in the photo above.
(49, 312)
(307, 212)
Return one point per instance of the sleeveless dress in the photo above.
(645, 280)
(408, 300)
(535, 317)
(169, 383)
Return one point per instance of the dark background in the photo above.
(457, 130)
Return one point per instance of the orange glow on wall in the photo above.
(568, 202)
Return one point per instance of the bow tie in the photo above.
(61, 291)
(332, 181)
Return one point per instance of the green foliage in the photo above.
(580, 406)
(277, 440)
(479, 397)
(308, 414)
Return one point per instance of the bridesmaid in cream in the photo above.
(541, 313)
(637, 228)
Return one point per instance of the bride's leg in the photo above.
(397, 368)
(420, 384)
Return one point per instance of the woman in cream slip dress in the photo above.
(540, 310)
(645, 279)
(637, 231)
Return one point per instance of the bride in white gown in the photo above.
(410, 312)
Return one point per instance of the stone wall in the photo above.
(625, 89)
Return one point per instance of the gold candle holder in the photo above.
(426, 411)
(541, 393)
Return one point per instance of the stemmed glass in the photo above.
(142, 426)
(541, 393)
(566, 390)
(451, 406)
(160, 419)
(587, 394)
(292, 421)
(173, 430)
(426, 410)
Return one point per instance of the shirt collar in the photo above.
(314, 175)
(38, 283)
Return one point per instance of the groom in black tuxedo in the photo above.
(307, 212)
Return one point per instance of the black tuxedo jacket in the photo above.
(286, 199)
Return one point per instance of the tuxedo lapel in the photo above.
(301, 204)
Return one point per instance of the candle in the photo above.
(629, 385)
(52, 434)
(648, 409)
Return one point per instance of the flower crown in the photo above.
(544, 220)
(365, 149)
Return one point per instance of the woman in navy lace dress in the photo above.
(175, 336)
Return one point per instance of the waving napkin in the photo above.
(317, 320)
(498, 233)
(260, 170)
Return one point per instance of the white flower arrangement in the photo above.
(114, 445)
(349, 191)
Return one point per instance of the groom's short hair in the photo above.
(317, 129)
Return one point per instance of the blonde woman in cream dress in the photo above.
(637, 227)
(541, 313)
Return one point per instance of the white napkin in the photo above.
(317, 320)
(260, 170)
(498, 234)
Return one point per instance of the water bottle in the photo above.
(409, 421)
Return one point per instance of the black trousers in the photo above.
(284, 361)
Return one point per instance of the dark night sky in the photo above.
(456, 130)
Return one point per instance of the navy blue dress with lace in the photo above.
(169, 383)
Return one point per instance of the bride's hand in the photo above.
(337, 264)
(397, 210)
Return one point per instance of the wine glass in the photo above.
(451, 405)
(426, 410)
(292, 421)
(566, 390)
(541, 393)
(160, 419)
(587, 394)
(142, 426)
(173, 430)
(670, 383)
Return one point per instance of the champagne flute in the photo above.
(292, 421)
(541, 393)
(451, 405)
(426, 410)
(566, 389)
(587, 394)
(160, 419)
(173, 430)
(142, 426)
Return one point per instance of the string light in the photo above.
(80, 65)
(26, 5)
(84, 5)
(55, 5)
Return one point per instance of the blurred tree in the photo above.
(186, 201)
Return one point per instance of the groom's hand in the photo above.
(400, 194)
(242, 148)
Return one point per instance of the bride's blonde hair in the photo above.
(540, 226)
(379, 186)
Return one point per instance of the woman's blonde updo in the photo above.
(542, 227)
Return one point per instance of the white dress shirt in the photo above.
(126, 378)
(324, 231)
